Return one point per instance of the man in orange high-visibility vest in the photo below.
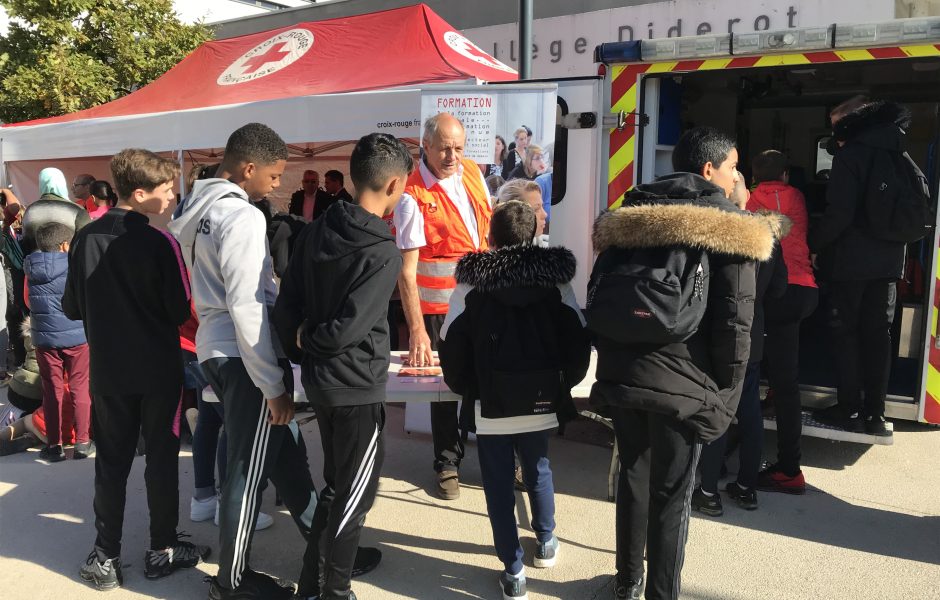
(444, 213)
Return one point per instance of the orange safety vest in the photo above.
(446, 234)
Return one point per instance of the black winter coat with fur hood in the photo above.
(846, 251)
(698, 381)
(514, 312)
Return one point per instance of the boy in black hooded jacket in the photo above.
(513, 345)
(334, 303)
(666, 399)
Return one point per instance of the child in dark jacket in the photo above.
(61, 349)
(513, 345)
(340, 335)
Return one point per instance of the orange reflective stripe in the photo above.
(434, 308)
(436, 283)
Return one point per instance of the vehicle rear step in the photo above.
(813, 428)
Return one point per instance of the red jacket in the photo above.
(779, 197)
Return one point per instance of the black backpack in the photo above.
(648, 295)
(897, 199)
(525, 358)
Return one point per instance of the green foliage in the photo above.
(66, 55)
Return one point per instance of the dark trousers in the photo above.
(207, 445)
(498, 468)
(56, 366)
(256, 451)
(118, 421)
(448, 447)
(863, 312)
(658, 456)
(782, 353)
(750, 438)
(16, 315)
(353, 453)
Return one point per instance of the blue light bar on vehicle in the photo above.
(617, 52)
(900, 31)
(788, 40)
(699, 46)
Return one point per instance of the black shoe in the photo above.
(707, 505)
(745, 497)
(17, 445)
(367, 559)
(181, 555)
(513, 588)
(105, 575)
(836, 416)
(52, 454)
(83, 450)
(253, 586)
(627, 589)
(877, 426)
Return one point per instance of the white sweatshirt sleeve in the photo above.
(243, 250)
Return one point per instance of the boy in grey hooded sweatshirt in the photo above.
(224, 243)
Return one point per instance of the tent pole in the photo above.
(525, 39)
(179, 158)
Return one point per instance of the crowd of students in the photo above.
(690, 273)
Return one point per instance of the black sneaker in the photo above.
(367, 559)
(105, 575)
(877, 426)
(83, 450)
(627, 589)
(513, 588)
(546, 553)
(707, 505)
(181, 555)
(52, 454)
(836, 416)
(745, 497)
(253, 586)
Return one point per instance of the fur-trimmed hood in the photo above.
(684, 209)
(880, 124)
(517, 274)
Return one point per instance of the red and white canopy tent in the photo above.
(321, 82)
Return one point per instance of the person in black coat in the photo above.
(862, 270)
(771, 283)
(513, 345)
(665, 400)
(303, 202)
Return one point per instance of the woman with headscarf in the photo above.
(53, 206)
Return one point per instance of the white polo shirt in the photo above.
(409, 222)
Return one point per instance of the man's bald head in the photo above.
(443, 143)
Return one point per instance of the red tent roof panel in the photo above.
(392, 48)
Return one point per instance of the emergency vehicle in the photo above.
(771, 90)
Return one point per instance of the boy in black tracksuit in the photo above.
(513, 345)
(333, 305)
(126, 283)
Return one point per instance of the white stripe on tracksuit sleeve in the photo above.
(243, 250)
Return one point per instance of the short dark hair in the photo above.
(134, 169)
(376, 158)
(335, 176)
(254, 143)
(102, 189)
(52, 235)
(700, 146)
(769, 165)
(512, 223)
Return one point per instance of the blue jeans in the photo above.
(206, 449)
(498, 466)
(750, 433)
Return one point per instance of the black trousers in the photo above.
(353, 453)
(658, 456)
(448, 447)
(783, 317)
(256, 451)
(117, 421)
(862, 315)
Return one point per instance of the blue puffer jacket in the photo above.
(46, 273)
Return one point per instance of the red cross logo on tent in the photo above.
(275, 54)
(270, 56)
(468, 49)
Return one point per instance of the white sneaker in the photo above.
(203, 510)
(263, 521)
